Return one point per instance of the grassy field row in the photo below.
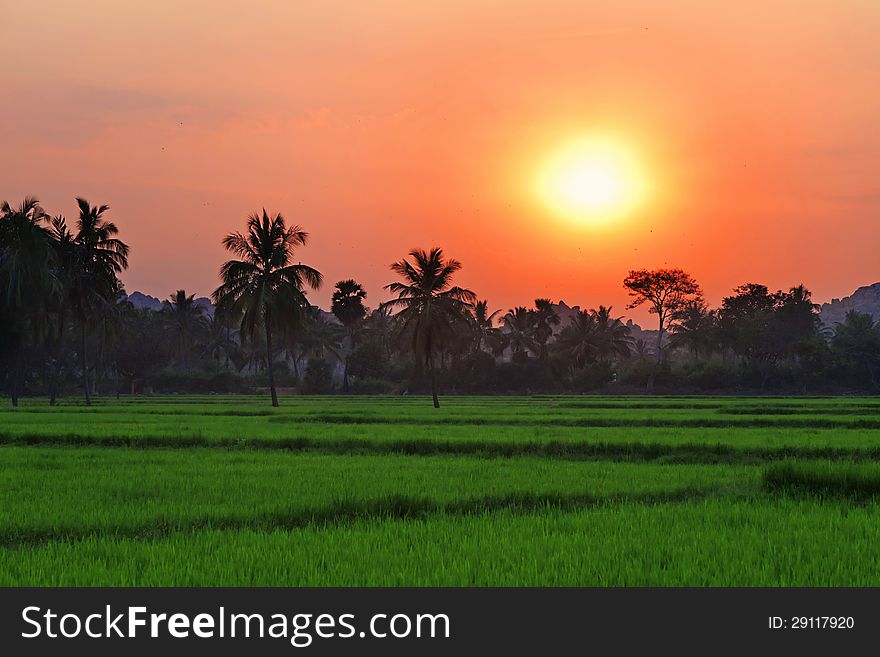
(128, 424)
(147, 493)
(458, 401)
(714, 542)
(641, 417)
(645, 446)
(418, 406)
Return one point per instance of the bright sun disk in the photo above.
(591, 179)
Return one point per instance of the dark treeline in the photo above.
(67, 327)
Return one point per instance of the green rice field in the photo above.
(349, 491)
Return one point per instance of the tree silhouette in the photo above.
(24, 250)
(321, 336)
(519, 333)
(695, 328)
(544, 318)
(185, 319)
(64, 267)
(221, 343)
(796, 321)
(483, 329)
(99, 257)
(593, 336)
(265, 288)
(347, 304)
(857, 342)
(579, 341)
(615, 340)
(666, 291)
(428, 305)
(26, 280)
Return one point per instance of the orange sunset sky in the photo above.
(385, 125)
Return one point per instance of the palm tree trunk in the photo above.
(53, 383)
(433, 383)
(85, 367)
(226, 348)
(99, 364)
(269, 365)
(59, 356)
(16, 376)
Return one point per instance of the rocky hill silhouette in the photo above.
(864, 300)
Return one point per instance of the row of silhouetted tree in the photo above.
(66, 323)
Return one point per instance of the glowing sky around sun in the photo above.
(592, 179)
(741, 140)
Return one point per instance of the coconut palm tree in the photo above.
(485, 333)
(184, 318)
(615, 338)
(380, 326)
(593, 336)
(695, 327)
(24, 250)
(221, 342)
(321, 336)
(64, 264)
(26, 280)
(265, 287)
(99, 257)
(518, 333)
(428, 305)
(348, 306)
(580, 341)
(544, 317)
(856, 341)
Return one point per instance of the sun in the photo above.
(590, 179)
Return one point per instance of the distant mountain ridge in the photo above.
(866, 299)
(140, 300)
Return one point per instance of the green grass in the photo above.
(219, 490)
(713, 430)
(749, 542)
(147, 493)
(857, 482)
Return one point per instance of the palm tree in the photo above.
(642, 350)
(348, 306)
(380, 326)
(857, 341)
(695, 327)
(545, 318)
(99, 257)
(518, 333)
(265, 288)
(321, 336)
(108, 331)
(615, 338)
(593, 336)
(25, 279)
(65, 252)
(220, 343)
(429, 306)
(24, 250)
(184, 319)
(579, 342)
(483, 328)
